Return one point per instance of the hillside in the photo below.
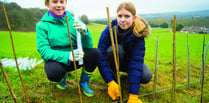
(169, 15)
(192, 18)
(180, 15)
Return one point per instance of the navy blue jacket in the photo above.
(134, 48)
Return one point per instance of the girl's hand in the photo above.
(81, 27)
(78, 55)
(134, 99)
(113, 90)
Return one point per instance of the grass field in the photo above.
(41, 90)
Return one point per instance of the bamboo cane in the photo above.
(188, 64)
(14, 52)
(117, 51)
(203, 66)
(71, 46)
(156, 70)
(206, 52)
(117, 55)
(174, 61)
(8, 83)
(115, 58)
(116, 43)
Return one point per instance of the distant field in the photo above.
(25, 42)
(41, 90)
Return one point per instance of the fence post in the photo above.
(203, 66)
(156, 69)
(174, 61)
(188, 64)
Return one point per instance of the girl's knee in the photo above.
(146, 78)
(146, 75)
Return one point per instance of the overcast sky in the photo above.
(97, 8)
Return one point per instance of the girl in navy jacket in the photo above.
(131, 30)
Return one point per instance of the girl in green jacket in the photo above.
(54, 46)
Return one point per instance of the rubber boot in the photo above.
(62, 84)
(84, 83)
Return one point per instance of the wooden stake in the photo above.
(75, 67)
(8, 83)
(156, 69)
(174, 61)
(115, 58)
(10, 31)
(188, 64)
(203, 66)
(116, 43)
(206, 52)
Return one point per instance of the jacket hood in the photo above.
(49, 18)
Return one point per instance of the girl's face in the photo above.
(125, 19)
(57, 7)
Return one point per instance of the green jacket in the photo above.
(52, 38)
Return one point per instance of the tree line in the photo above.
(20, 18)
(24, 19)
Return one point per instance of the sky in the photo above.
(97, 8)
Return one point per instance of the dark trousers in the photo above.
(56, 71)
(146, 73)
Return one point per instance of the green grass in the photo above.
(41, 90)
(24, 43)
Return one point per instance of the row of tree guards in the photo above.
(116, 58)
(156, 65)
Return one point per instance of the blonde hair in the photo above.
(47, 2)
(140, 26)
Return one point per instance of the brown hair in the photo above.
(140, 26)
(47, 2)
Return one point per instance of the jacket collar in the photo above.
(58, 16)
(49, 18)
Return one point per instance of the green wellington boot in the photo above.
(84, 83)
(62, 84)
